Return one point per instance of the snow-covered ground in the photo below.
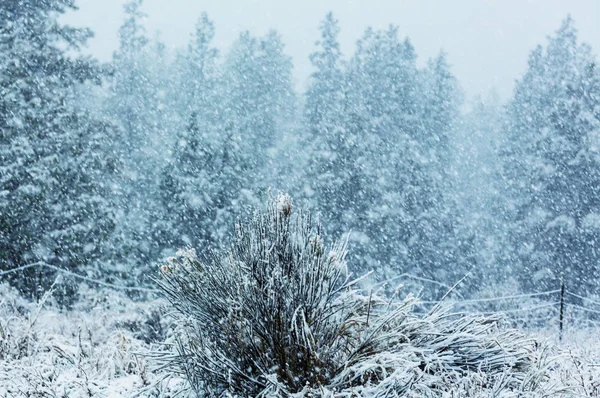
(101, 348)
(98, 349)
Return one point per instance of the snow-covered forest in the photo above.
(133, 223)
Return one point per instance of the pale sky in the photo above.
(487, 41)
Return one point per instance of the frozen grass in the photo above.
(94, 350)
(97, 350)
(105, 347)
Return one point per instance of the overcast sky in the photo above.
(487, 41)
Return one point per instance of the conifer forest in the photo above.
(193, 222)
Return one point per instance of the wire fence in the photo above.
(556, 307)
(41, 264)
(560, 301)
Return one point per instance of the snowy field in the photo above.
(95, 350)
(102, 348)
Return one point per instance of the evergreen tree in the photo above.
(380, 130)
(325, 93)
(197, 75)
(201, 186)
(188, 181)
(380, 105)
(481, 227)
(440, 110)
(257, 99)
(130, 86)
(257, 90)
(444, 251)
(324, 115)
(139, 103)
(221, 161)
(551, 167)
(53, 156)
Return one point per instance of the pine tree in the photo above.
(551, 165)
(257, 90)
(198, 72)
(380, 129)
(444, 249)
(382, 78)
(54, 204)
(130, 86)
(440, 110)
(324, 118)
(187, 186)
(138, 102)
(199, 187)
(479, 194)
(221, 161)
(257, 98)
(325, 93)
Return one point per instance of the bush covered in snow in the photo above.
(278, 314)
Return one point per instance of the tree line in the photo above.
(105, 169)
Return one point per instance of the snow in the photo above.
(106, 170)
(96, 349)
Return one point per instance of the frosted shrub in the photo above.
(270, 311)
(278, 314)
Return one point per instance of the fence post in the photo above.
(561, 315)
